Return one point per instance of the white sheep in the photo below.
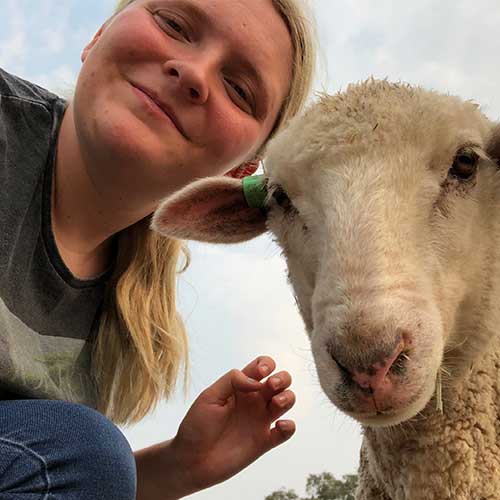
(386, 202)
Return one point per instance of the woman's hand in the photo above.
(229, 425)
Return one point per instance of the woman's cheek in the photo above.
(134, 37)
(235, 136)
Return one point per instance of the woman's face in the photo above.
(221, 69)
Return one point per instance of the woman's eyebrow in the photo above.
(193, 10)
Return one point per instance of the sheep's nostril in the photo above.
(343, 369)
(345, 372)
(374, 378)
(399, 366)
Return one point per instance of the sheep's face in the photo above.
(381, 200)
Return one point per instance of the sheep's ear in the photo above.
(212, 210)
(493, 148)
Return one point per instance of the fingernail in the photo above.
(264, 369)
(282, 400)
(275, 383)
(286, 426)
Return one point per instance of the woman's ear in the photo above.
(213, 210)
(245, 169)
(91, 44)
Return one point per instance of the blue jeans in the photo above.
(54, 450)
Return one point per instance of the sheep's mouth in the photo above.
(369, 407)
(395, 410)
(404, 403)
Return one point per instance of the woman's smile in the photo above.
(158, 109)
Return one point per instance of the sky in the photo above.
(235, 299)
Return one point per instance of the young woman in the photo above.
(169, 91)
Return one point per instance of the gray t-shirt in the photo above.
(48, 318)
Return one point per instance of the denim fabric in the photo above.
(55, 450)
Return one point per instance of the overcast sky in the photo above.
(235, 300)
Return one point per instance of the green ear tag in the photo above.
(255, 191)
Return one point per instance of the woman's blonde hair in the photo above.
(141, 343)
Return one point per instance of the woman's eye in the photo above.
(243, 96)
(172, 25)
(465, 165)
(239, 90)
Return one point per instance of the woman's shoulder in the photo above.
(29, 118)
(15, 88)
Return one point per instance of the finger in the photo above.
(280, 433)
(242, 383)
(276, 384)
(260, 368)
(229, 384)
(280, 404)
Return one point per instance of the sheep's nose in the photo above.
(375, 379)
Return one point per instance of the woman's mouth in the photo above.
(154, 105)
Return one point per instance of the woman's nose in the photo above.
(188, 79)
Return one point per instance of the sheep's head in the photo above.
(383, 199)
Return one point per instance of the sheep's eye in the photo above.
(465, 165)
(282, 198)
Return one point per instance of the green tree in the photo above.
(326, 487)
(322, 487)
(283, 495)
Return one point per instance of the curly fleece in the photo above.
(453, 455)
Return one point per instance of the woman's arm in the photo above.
(227, 428)
(160, 476)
